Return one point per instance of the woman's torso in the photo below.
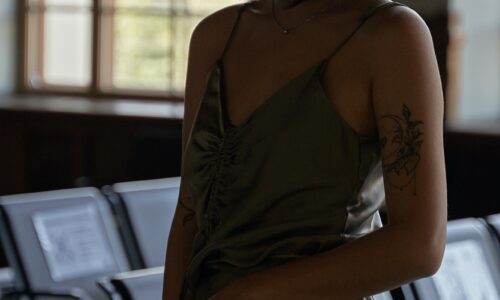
(259, 59)
(290, 178)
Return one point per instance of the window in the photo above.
(474, 61)
(7, 46)
(111, 47)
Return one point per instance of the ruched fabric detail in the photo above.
(274, 189)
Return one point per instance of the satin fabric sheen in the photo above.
(294, 180)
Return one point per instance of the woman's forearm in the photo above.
(378, 261)
(179, 247)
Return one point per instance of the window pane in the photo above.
(143, 44)
(142, 3)
(86, 3)
(184, 26)
(150, 42)
(7, 45)
(59, 43)
(141, 51)
(474, 61)
(67, 48)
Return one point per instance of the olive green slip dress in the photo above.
(293, 180)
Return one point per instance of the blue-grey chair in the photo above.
(58, 242)
(494, 223)
(470, 268)
(144, 211)
(144, 284)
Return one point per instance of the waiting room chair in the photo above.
(470, 268)
(58, 242)
(383, 296)
(6, 280)
(494, 223)
(144, 211)
(144, 284)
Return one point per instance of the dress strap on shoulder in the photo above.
(242, 7)
(364, 17)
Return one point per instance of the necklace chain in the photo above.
(286, 30)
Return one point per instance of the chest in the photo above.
(259, 64)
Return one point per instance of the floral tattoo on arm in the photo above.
(401, 139)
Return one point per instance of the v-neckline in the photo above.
(227, 123)
(318, 69)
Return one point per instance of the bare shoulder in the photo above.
(205, 47)
(397, 21)
(391, 34)
(210, 34)
(397, 31)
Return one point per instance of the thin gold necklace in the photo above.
(307, 20)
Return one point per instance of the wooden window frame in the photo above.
(94, 90)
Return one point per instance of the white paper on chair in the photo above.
(73, 242)
(464, 273)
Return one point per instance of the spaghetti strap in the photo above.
(362, 21)
(236, 22)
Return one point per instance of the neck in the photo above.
(265, 6)
(305, 4)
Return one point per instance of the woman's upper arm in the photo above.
(409, 107)
(204, 47)
(193, 94)
(197, 70)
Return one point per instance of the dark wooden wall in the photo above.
(473, 173)
(42, 151)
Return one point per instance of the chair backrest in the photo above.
(403, 292)
(60, 239)
(494, 222)
(6, 273)
(144, 284)
(145, 210)
(470, 268)
(6, 279)
(382, 296)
